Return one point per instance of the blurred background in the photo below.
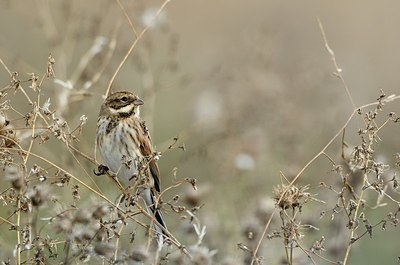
(247, 87)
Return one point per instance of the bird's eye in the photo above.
(124, 99)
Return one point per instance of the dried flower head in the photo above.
(195, 197)
(38, 195)
(100, 211)
(104, 249)
(139, 255)
(290, 197)
(15, 175)
(83, 216)
(7, 136)
(202, 255)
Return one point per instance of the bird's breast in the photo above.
(118, 145)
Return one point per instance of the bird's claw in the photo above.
(101, 170)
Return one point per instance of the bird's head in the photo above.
(122, 104)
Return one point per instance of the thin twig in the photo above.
(5, 67)
(127, 18)
(18, 230)
(338, 71)
(6, 221)
(133, 46)
(35, 114)
(353, 228)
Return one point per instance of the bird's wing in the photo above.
(147, 150)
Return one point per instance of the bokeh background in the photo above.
(246, 86)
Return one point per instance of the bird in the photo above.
(126, 147)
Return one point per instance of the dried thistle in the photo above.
(104, 249)
(50, 64)
(34, 79)
(290, 197)
(14, 174)
(38, 195)
(139, 255)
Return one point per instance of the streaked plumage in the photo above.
(126, 148)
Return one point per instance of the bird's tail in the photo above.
(156, 213)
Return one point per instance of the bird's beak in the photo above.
(138, 102)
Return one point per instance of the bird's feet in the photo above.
(101, 170)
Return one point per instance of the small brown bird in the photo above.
(125, 145)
